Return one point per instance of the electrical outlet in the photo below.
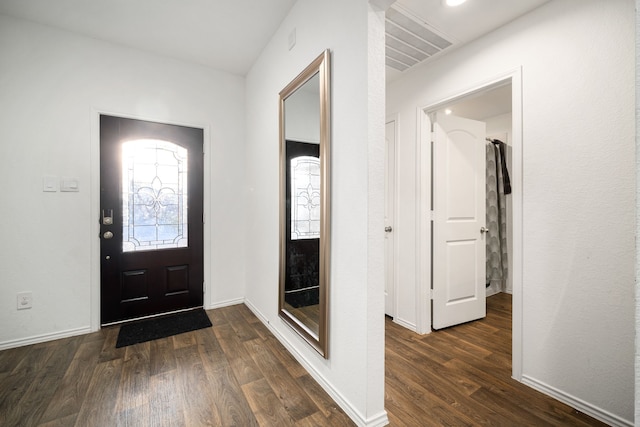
(25, 300)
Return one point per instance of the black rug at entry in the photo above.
(161, 327)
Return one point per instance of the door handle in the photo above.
(388, 229)
(107, 235)
(484, 230)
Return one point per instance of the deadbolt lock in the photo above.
(107, 219)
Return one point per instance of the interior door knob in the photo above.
(388, 229)
(484, 230)
(107, 235)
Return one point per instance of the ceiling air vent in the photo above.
(409, 41)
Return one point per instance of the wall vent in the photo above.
(409, 41)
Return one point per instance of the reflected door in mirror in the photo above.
(302, 281)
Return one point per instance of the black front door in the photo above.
(151, 203)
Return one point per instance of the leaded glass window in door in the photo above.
(305, 198)
(154, 195)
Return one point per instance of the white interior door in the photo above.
(389, 210)
(459, 251)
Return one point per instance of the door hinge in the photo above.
(204, 218)
(432, 215)
(431, 293)
(204, 287)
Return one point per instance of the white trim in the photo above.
(36, 339)
(94, 170)
(378, 420)
(576, 403)
(382, 5)
(423, 183)
(396, 148)
(517, 165)
(405, 324)
(94, 209)
(423, 222)
(226, 303)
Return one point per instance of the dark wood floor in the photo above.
(237, 374)
(461, 376)
(233, 374)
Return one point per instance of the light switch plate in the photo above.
(69, 184)
(49, 184)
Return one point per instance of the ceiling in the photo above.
(230, 34)
(484, 104)
(223, 34)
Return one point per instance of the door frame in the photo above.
(423, 206)
(392, 261)
(94, 211)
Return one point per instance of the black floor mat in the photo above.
(161, 327)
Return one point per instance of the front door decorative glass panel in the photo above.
(154, 195)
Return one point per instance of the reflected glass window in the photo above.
(305, 198)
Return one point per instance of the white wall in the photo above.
(52, 83)
(578, 197)
(354, 372)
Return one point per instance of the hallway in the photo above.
(465, 377)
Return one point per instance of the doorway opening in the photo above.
(498, 105)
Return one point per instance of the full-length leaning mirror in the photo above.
(304, 203)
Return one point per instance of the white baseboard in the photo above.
(226, 303)
(37, 339)
(411, 326)
(378, 420)
(576, 403)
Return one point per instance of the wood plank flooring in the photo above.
(461, 376)
(237, 374)
(233, 374)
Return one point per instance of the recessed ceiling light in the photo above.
(453, 3)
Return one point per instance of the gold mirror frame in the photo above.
(303, 319)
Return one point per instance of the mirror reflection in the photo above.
(304, 203)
